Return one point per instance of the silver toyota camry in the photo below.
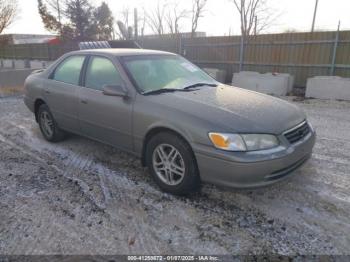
(185, 126)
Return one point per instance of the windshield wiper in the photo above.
(164, 90)
(185, 89)
(198, 85)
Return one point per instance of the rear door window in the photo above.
(100, 72)
(69, 70)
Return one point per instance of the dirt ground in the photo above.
(82, 197)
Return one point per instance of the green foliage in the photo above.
(104, 22)
(51, 23)
(80, 20)
(80, 15)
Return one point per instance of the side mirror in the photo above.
(110, 90)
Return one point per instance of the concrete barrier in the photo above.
(20, 64)
(269, 83)
(8, 63)
(217, 74)
(36, 64)
(328, 87)
(14, 78)
(24, 63)
(290, 80)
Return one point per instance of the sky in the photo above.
(220, 17)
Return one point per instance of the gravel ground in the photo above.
(82, 197)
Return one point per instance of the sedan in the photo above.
(184, 126)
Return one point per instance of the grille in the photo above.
(298, 133)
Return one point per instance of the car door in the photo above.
(102, 117)
(61, 92)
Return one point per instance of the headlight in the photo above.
(260, 142)
(243, 142)
(229, 142)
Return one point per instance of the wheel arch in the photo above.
(161, 129)
(38, 102)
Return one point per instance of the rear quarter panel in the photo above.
(33, 90)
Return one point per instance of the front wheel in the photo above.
(48, 125)
(172, 164)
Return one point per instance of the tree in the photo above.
(155, 19)
(198, 8)
(125, 29)
(141, 20)
(255, 16)
(125, 14)
(80, 15)
(173, 18)
(8, 12)
(104, 22)
(77, 19)
(51, 23)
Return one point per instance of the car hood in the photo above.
(236, 109)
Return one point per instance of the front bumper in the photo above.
(253, 169)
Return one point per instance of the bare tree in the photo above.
(8, 12)
(174, 16)
(124, 25)
(125, 16)
(198, 8)
(142, 23)
(255, 16)
(51, 13)
(155, 19)
(58, 7)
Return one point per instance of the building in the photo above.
(16, 39)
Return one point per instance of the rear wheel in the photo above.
(48, 125)
(172, 164)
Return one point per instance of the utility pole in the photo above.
(335, 47)
(314, 19)
(136, 20)
(255, 25)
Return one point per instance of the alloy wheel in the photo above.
(46, 123)
(168, 164)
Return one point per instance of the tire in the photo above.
(56, 134)
(165, 172)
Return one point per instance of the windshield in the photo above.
(155, 72)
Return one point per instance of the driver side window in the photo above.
(101, 71)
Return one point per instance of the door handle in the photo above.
(83, 102)
(47, 92)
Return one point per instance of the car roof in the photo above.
(123, 52)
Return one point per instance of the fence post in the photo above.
(49, 52)
(241, 56)
(180, 45)
(335, 47)
(13, 55)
